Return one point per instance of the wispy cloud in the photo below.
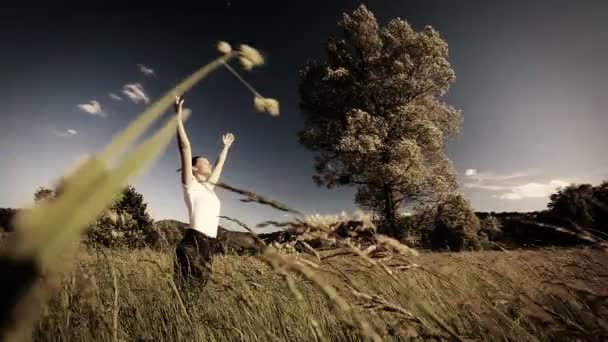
(470, 172)
(93, 108)
(510, 185)
(533, 190)
(485, 186)
(146, 70)
(66, 133)
(115, 97)
(510, 196)
(492, 177)
(136, 93)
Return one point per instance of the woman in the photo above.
(194, 253)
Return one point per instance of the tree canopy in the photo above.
(374, 114)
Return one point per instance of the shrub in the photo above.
(491, 227)
(7, 217)
(414, 230)
(43, 194)
(170, 232)
(114, 230)
(455, 226)
(125, 224)
(573, 205)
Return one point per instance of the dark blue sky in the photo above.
(530, 80)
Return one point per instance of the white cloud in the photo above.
(485, 186)
(115, 97)
(533, 190)
(93, 108)
(145, 70)
(489, 180)
(135, 92)
(492, 177)
(470, 172)
(509, 187)
(66, 133)
(511, 196)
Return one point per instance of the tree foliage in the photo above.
(456, 225)
(374, 114)
(43, 194)
(582, 205)
(491, 227)
(125, 223)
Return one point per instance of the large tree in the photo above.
(374, 114)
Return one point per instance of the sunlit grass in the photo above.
(478, 296)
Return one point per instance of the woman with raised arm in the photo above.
(194, 253)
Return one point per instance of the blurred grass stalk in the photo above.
(51, 230)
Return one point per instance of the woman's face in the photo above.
(202, 167)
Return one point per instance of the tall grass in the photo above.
(129, 296)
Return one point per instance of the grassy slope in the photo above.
(480, 296)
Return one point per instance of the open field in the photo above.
(555, 294)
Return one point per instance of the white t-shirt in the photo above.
(203, 207)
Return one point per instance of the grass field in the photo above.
(517, 296)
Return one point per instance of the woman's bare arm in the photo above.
(228, 139)
(183, 144)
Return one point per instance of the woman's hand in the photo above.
(228, 139)
(177, 105)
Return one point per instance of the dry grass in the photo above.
(521, 296)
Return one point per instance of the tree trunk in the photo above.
(390, 228)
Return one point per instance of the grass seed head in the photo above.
(224, 47)
(250, 54)
(268, 105)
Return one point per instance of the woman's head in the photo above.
(201, 166)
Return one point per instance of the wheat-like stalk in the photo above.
(277, 260)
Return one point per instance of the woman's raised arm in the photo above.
(183, 143)
(227, 139)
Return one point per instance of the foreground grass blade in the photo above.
(38, 225)
(105, 190)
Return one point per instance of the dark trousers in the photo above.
(193, 259)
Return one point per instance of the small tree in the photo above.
(456, 225)
(573, 205)
(113, 230)
(491, 227)
(43, 194)
(374, 114)
(600, 206)
(128, 217)
(125, 223)
(132, 202)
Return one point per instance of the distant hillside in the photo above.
(171, 232)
